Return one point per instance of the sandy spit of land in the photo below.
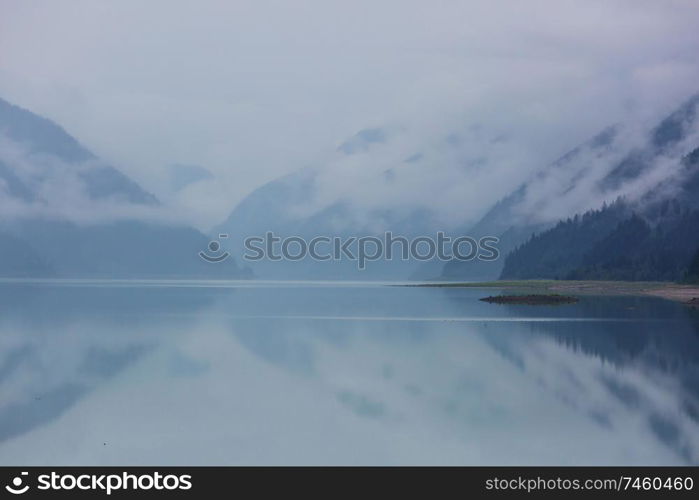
(688, 294)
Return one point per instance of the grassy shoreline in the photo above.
(688, 294)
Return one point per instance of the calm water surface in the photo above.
(270, 373)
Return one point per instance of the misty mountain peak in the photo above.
(676, 126)
(362, 140)
(40, 163)
(39, 134)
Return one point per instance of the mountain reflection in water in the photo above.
(138, 373)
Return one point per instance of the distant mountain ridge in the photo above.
(272, 208)
(43, 170)
(625, 161)
(655, 237)
(43, 138)
(646, 175)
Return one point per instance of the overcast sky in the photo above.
(254, 89)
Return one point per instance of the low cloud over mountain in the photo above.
(65, 213)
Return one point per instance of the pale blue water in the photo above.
(303, 373)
